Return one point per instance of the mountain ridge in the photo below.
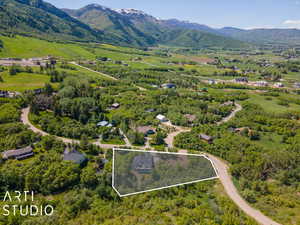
(139, 25)
(127, 27)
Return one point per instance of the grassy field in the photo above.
(271, 140)
(25, 47)
(23, 81)
(272, 105)
(84, 72)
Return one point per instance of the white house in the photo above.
(261, 83)
(162, 118)
(279, 85)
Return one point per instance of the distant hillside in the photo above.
(138, 28)
(191, 26)
(264, 36)
(41, 19)
(196, 39)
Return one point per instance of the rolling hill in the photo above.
(264, 36)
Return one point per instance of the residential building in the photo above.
(115, 105)
(296, 85)
(74, 156)
(211, 81)
(162, 118)
(168, 86)
(262, 83)
(143, 163)
(102, 124)
(279, 85)
(18, 154)
(207, 138)
(241, 80)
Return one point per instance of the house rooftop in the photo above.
(206, 137)
(19, 153)
(143, 163)
(74, 156)
(102, 124)
(168, 85)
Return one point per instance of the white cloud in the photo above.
(292, 23)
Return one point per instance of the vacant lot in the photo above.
(23, 81)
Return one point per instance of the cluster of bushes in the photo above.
(15, 69)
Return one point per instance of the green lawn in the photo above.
(271, 140)
(23, 81)
(114, 142)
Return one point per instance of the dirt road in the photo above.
(178, 130)
(232, 114)
(232, 192)
(105, 75)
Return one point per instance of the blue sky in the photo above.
(215, 13)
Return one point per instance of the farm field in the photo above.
(23, 81)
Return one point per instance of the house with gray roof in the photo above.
(18, 154)
(143, 163)
(74, 156)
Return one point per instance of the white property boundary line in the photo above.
(156, 189)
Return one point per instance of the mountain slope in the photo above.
(139, 28)
(41, 19)
(112, 23)
(196, 39)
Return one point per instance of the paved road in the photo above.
(221, 167)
